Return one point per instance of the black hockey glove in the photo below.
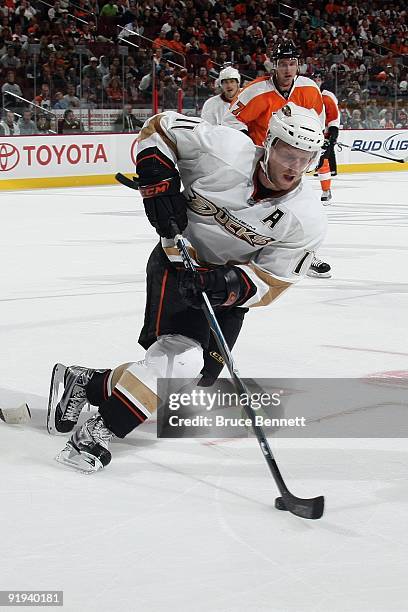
(333, 133)
(165, 205)
(224, 286)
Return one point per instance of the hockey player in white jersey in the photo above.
(253, 226)
(215, 108)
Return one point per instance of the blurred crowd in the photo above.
(86, 54)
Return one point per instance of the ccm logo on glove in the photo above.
(153, 190)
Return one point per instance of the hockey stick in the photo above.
(305, 508)
(399, 161)
(15, 416)
(127, 182)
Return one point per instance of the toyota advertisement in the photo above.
(35, 157)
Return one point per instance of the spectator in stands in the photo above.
(132, 29)
(25, 11)
(160, 40)
(109, 9)
(356, 122)
(114, 91)
(87, 33)
(60, 103)
(103, 66)
(56, 12)
(113, 72)
(212, 38)
(43, 124)
(91, 70)
(9, 59)
(169, 93)
(9, 126)
(71, 98)
(5, 11)
(372, 106)
(86, 92)
(25, 124)
(10, 86)
(130, 68)
(370, 122)
(18, 35)
(126, 121)
(58, 80)
(43, 99)
(387, 122)
(145, 87)
(402, 121)
(21, 72)
(176, 44)
(69, 124)
(33, 70)
(189, 99)
(132, 91)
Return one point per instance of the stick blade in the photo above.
(127, 182)
(312, 508)
(16, 416)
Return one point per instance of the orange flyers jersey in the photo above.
(331, 107)
(255, 104)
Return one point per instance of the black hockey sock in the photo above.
(97, 388)
(120, 415)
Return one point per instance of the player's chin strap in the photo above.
(311, 508)
(265, 160)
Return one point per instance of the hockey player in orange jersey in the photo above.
(252, 109)
(327, 166)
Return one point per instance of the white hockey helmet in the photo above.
(296, 126)
(229, 73)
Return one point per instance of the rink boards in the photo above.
(30, 162)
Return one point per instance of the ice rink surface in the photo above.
(182, 526)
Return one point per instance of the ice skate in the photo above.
(319, 269)
(326, 197)
(87, 450)
(67, 397)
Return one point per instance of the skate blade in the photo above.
(312, 274)
(80, 461)
(56, 391)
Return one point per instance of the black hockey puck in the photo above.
(280, 504)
